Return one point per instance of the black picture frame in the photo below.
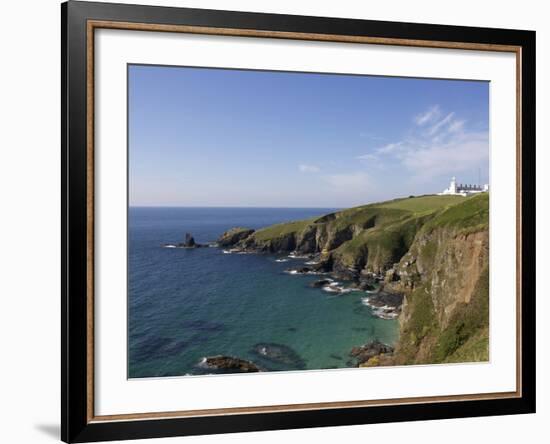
(76, 424)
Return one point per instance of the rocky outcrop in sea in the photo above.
(189, 242)
(384, 305)
(229, 364)
(371, 354)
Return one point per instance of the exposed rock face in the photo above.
(350, 243)
(366, 352)
(234, 236)
(445, 315)
(222, 362)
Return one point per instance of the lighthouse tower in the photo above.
(452, 186)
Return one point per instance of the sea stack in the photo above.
(189, 241)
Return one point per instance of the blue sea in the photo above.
(185, 304)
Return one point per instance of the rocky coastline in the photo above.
(422, 261)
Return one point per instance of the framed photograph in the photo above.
(275, 221)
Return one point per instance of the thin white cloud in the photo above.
(461, 154)
(428, 116)
(309, 168)
(442, 146)
(368, 156)
(389, 148)
(456, 126)
(439, 125)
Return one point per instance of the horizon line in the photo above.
(234, 206)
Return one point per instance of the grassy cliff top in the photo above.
(282, 229)
(385, 230)
(422, 204)
(470, 214)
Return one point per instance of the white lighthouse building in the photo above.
(463, 189)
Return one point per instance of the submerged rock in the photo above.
(279, 354)
(320, 283)
(221, 362)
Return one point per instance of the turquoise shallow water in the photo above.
(186, 304)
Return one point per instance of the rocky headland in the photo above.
(423, 260)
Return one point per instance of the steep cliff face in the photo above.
(445, 279)
(233, 236)
(352, 242)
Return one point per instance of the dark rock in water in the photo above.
(349, 273)
(365, 352)
(234, 236)
(366, 285)
(189, 240)
(228, 363)
(320, 283)
(385, 305)
(292, 329)
(338, 358)
(301, 270)
(280, 354)
(386, 299)
(189, 243)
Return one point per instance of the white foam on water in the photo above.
(202, 363)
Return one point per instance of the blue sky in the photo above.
(217, 137)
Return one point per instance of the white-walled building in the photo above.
(463, 189)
